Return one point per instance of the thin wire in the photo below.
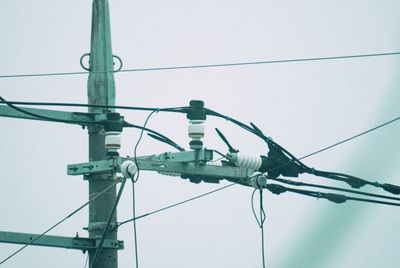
(175, 204)
(86, 260)
(134, 224)
(133, 188)
(350, 138)
(260, 221)
(58, 223)
(203, 66)
(253, 209)
(143, 128)
(262, 218)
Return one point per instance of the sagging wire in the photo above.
(152, 133)
(260, 220)
(59, 222)
(41, 117)
(133, 187)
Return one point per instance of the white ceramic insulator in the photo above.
(196, 129)
(252, 162)
(113, 141)
(128, 169)
(172, 174)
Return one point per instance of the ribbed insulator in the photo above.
(196, 129)
(113, 141)
(252, 162)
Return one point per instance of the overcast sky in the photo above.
(303, 106)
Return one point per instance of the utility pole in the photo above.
(101, 91)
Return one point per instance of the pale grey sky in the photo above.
(303, 106)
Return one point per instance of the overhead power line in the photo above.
(203, 66)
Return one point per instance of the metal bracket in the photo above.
(95, 167)
(192, 165)
(80, 243)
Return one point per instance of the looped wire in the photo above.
(120, 63)
(89, 69)
(81, 62)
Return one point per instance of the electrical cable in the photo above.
(46, 118)
(299, 183)
(86, 260)
(106, 228)
(260, 221)
(84, 105)
(156, 135)
(134, 223)
(210, 112)
(133, 187)
(159, 136)
(175, 204)
(59, 222)
(350, 138)
(336, 198)
(143, 128)
(203, 66)
(289, 159)
(262, 217)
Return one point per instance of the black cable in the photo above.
(253, 209)
(156, 135)
(260, 221)
(336, 198)
(160, 136)
(203, 66)
(262, 217)
(143, 128)
(84, 105)
(46, 118)
(133, 188)
(107, 227)
(59, 222)
(353, 181)
(175, 204)
(299, 183)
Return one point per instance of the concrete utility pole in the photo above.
(101, 91)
